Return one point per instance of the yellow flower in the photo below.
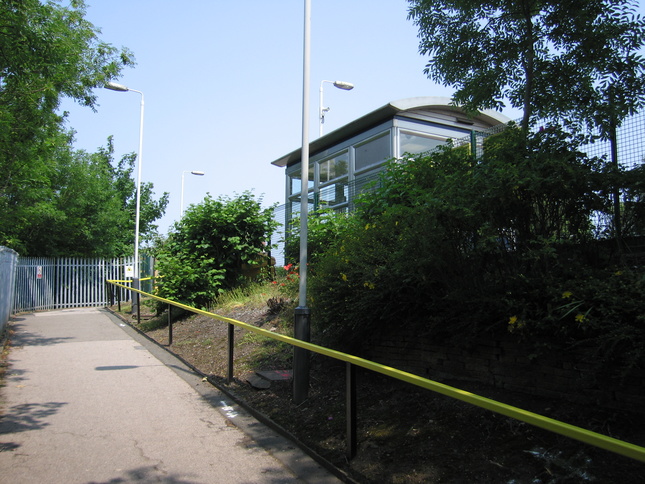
(369, 285)
(343, 277)
(566, 294)
(511, 324)
(367, 226)
(580, 317)
(618, 273)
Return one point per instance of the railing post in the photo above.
(138, 309)
(169, 324)
(118, 297)
(231, 340)
(350, 408)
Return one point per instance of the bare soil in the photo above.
(405, 434)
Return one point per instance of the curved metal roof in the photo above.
(434, 108)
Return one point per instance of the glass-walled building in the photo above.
(342, 162)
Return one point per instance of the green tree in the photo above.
(124, 186)
(79, 204)
(576, 58)
(82, 216)
(47, 52)
(206, 250)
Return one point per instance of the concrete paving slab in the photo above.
(89, 400)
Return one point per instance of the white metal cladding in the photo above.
(8, 261)
(55, 283)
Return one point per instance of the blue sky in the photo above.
(223, 85)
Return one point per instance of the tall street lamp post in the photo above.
(135, 279)
(345, 86)
(181, 206)
(302, 327)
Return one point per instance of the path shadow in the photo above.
(13, 375)
(28, 416)
(22, 337)
(116, 367)
(146, 474)
(151, 474)
(25, 417)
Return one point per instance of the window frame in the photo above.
(382, 134)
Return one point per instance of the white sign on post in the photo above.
(129, 271)
(39, 272)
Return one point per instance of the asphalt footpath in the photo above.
(86, 399)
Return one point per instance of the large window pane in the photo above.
(374, 151)
(334, 167)
(295, 180)
(415, 143)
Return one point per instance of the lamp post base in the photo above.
(136, 284)
(302, 331)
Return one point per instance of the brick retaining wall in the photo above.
(505, 364)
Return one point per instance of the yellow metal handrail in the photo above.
(130, 280)
(583, 435)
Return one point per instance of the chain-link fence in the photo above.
(630, 141)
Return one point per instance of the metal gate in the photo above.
(57, 283)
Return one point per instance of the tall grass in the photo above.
(252, 295)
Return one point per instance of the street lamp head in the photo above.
(181, 202)
(113, 86)
(346, 86)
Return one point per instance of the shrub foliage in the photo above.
(208, 248)
(454, 247)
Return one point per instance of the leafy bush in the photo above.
(454, 247)
(537, 190)
(324, 227)
(633, 195)
(600, 309)
(207, 249)
(403, 256)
